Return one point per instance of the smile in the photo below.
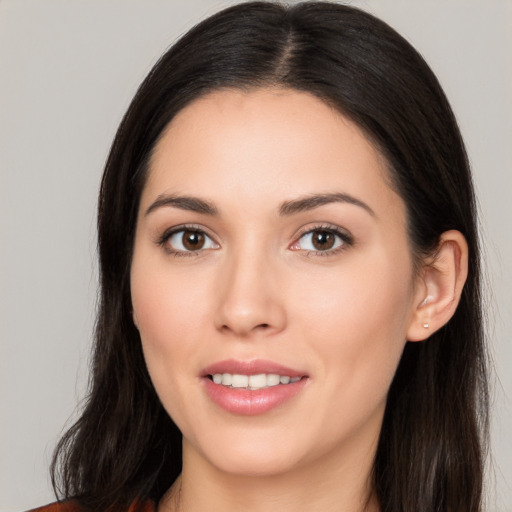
(252, 382)
(252, 387)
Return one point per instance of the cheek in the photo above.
(161, 309)
(358, 320)
(167, 310)
(165, 320)
(360, 297)
(166, 303)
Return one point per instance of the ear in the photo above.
(134, 318)
(439, 286)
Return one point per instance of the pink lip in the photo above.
(251, 402)
(253, 367)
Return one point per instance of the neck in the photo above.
(325, 485)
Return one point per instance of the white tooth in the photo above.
(258, 381)
(226, 379)
(284, 379)
(217, 378)
(272, 379)
(294, 379)
(239, 381)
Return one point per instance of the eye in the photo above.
(187, 240)
(322, 240)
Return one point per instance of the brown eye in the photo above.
(189, 240)
(322, 240)
(193, 240)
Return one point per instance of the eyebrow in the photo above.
(193, 204)
(292, 207)
(316, 200)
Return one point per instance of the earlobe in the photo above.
(134, 318)
(442, 280)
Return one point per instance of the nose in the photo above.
(250, 298)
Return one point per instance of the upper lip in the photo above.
(253, 367)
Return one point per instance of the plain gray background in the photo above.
(68, 69)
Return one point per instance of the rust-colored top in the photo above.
(73, 506)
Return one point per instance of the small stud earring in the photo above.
(425, 325)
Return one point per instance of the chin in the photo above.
(249, 455)
(255, 464)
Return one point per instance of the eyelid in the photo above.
(168, 233)
(343, 234)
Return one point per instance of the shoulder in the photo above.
(64, 506)
(73, 506)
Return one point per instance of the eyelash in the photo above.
(178, 253)
(346, 239)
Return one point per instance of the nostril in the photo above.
(257, 327)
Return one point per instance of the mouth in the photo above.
(252, 382)
(251, 387)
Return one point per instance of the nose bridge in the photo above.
(249, 297)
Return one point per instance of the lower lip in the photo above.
(251, 402)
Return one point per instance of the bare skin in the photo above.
(231, 262)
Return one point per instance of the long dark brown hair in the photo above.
(431, 451)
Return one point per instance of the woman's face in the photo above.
(272, 254)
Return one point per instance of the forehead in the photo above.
(263, 145)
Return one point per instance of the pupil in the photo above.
(193, 240)
(323, 240)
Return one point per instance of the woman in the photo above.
(290, 314)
